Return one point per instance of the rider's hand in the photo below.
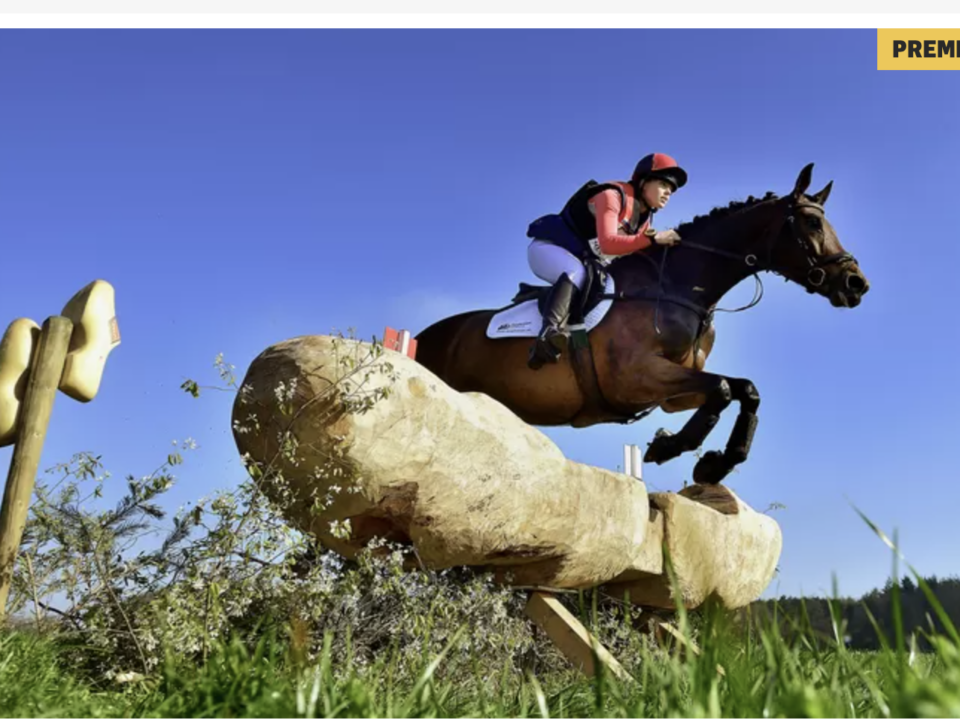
(666, 237)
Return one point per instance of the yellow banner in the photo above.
(916, 49)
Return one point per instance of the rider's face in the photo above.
(656, 193)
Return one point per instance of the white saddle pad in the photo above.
(525, 320)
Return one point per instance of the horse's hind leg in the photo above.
(713, 393)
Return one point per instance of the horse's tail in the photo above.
(437, 344)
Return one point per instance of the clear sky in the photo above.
(239, 188)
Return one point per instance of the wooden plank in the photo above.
(570, 636)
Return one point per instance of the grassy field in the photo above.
(740, 672)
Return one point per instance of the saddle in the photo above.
(586, 300)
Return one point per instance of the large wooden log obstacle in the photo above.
(460, 480)
(355, 443)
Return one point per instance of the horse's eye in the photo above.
(814, 223)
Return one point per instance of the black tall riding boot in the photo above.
(554, 335)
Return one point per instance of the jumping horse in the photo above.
(650, 348)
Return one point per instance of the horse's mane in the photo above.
(699, 221)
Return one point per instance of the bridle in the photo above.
(816, 273)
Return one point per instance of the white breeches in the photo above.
(549, 262)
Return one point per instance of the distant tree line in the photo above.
(862, 622)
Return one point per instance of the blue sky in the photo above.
(239, 188)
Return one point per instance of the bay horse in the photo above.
(650, 349)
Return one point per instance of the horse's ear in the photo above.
(803, 181)
(821, 197)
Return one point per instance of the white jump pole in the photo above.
(631, 461)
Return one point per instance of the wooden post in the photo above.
(45, 374)
(570, 636)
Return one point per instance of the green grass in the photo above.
(34, 683)
(763, 675)
(382, 643)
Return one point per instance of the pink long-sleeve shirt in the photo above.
(608, 209)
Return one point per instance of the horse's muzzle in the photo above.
(857, 283)
(849, 289)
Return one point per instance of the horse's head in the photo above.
(804, 247)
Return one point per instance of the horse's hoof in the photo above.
(663, 447)
(711, 468)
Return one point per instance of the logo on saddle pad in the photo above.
(524, 319)
(512, 327)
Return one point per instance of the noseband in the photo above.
(816, 274)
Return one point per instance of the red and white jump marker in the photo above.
(401, 341)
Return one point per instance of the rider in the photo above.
(599, 223)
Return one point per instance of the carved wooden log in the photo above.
(455, 475)
(718, 545)
(460, 480)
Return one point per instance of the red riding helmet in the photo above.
(658, 165)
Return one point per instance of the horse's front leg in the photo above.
(708, 392)
(714, 466)
(711, 394)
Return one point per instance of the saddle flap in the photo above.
(585, 301)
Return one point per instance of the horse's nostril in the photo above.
(856, 284)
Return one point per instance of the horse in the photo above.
(650, 348)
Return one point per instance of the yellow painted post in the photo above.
(17, 348)
(95, 334)
(33, 421)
